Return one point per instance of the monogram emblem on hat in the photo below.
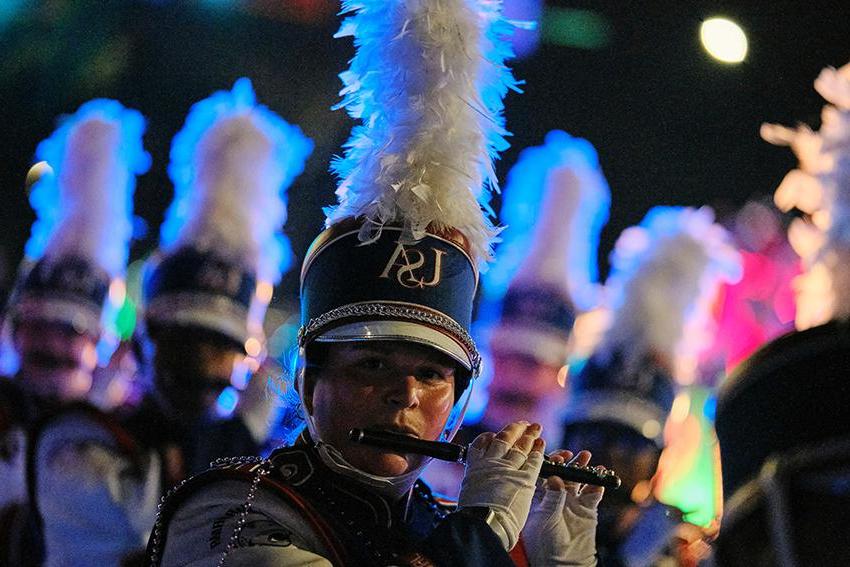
(409, 263)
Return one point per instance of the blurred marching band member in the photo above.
(663, 273)
(554, 206)
(784, 435)
(76, 259)
(207, 288)
(386, 299)
(96, 480)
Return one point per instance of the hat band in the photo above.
(216, 313)
(82, 315)
(390, 310)
(545, 346)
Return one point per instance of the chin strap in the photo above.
(391, 487)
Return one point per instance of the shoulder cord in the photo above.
(263, 469)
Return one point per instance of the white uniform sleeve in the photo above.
(96, 505)
(273, 534)
(12, 458)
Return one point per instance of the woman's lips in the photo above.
(399, 429)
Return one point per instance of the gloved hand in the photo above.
(501, 474)
(561, 529)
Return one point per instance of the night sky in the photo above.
(671, 125)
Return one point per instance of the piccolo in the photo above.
(457, 453)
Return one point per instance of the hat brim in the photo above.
(83, 317)
(544, 347)
(210, 312)
(388, 330)
(631, 411)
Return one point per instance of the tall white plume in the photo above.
(231, 165)
(555, 205)
(426, 85)
(663, 271)
(820, 187)
(84, 206)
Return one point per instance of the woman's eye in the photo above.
(371, 364)
(432, 376)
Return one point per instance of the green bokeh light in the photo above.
(695, 494)
(125, 319)
(570, 27)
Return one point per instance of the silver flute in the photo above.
(457, 453)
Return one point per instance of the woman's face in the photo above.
(395, 386)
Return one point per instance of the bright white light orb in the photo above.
(724, 40)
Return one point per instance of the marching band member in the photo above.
(780, 416)
(554, 208)
(386, 301)
(207, 288)
(664, 273)
(89, 500)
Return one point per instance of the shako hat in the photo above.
(83, 201)
(400, 255)
(221, 246)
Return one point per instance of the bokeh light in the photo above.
(226, 403)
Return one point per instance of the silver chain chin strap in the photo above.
(156, 536)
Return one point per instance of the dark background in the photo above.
(672, 126)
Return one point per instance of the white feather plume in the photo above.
(555, 206)
(426, 84)
(661, 271)
(231, 165)
(820, 187)
(85, 204)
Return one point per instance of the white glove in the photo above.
(561, 529)
(501, 474)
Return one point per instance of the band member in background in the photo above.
(664, 273)
(780, 416)
(386, 302)
(207, 288)
(554, 206)
(77, 256)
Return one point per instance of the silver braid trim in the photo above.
(390, 311)
(264, 467)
